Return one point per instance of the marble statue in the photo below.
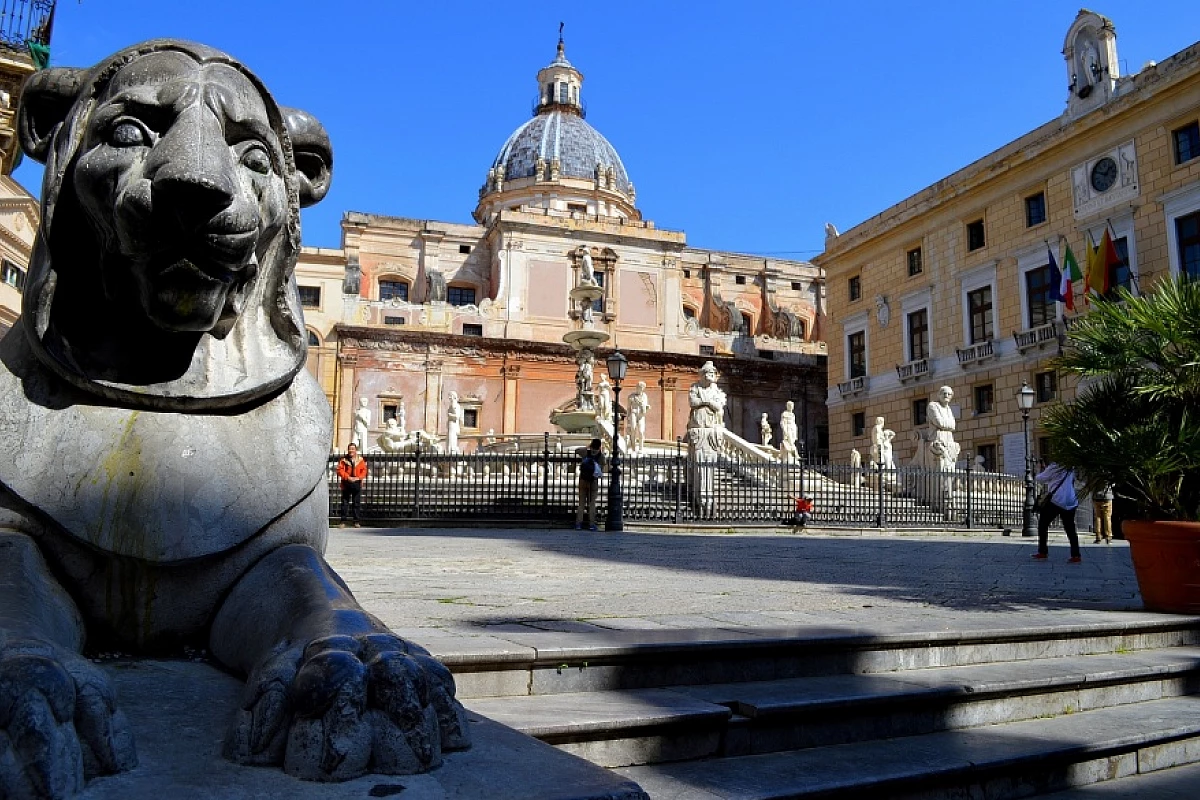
(639, 407)
(942, 446)
(362, 424)
(584, 399)
(883, 311)
(856, 474)
(604, 400)
(587, 269)
(454, 416)
(392, 440)
(764, 429)
(166, 481)
(705, 432)
(881, 445)
(402, 418)
(788, 433)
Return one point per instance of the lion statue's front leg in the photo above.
(331, 693)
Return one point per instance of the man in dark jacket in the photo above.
(591, 465)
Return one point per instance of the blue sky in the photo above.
(748, 125)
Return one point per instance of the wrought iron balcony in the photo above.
(913, 370)
(1037, 336)
(979, 351)
(25, 21)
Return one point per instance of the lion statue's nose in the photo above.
(193, 196)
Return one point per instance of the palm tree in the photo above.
(1136, 420)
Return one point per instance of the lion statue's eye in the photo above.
(256, 159)
(127, 134)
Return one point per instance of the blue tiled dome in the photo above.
(562, 135)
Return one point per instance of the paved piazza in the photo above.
(442, 585)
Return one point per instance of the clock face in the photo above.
(1104, 174)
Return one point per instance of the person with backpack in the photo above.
(1060, 501)
(591, 466)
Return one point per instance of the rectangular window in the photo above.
(1187, 142)
(472, 330)
(1187, 233)
(393, 290)
(740, 280)
(598, 303)
(855, 288)
(395, 320)
(14, 276)
(708, 350)
(687, 273)
(1042, 307)
(390, 411)
(918, 335)
(920, 411)
(987, 457)
(1035, 209)
(856, 346)
(984, 398)
(915, 263)
(979, 306)
(975, 238)
(1044, 449)
(310, 296)
(562, 93)
(461, 295)
(797, 286)
(577, 208)
(859, 423)
(463, 249)
(689, 312)
(1046, 386)
(1119, 276)
(470, 418)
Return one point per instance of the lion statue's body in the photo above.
(167, 480)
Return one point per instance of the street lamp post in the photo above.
(617, 365)
(1025, 399)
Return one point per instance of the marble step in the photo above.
(534, 662)
(1015, 759)
(733, 719)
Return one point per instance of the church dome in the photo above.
(556, 160)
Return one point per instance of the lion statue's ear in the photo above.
(46, 100)
(314, 154)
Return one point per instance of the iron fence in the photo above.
(670, 489)
(23, 21)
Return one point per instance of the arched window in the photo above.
(313, 340)
(391, 289)
(689, 312)
(562, 93)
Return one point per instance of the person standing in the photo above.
(352, 469)
(591, 466)
(1102, 514)
(1061, 502)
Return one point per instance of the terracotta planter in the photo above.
(1166, 559)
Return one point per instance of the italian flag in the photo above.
(1070, 273)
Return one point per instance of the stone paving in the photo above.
(451, 588)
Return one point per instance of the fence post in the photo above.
(678, 483)
(879, 483)
(545, 472)
(417, 483)
(969, 514)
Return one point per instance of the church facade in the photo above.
(409, 310)
(956, 285)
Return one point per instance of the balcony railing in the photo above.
(976, 352)
(1038, 336)
(913, 370)
(24, 21)
(853, 386)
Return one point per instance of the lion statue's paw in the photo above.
(343, 706)
(59, 723)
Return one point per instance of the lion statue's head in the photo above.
(162, 273)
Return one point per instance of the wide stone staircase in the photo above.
(991, 712)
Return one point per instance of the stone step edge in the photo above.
(915, 696)
(1145, 750)
(747, 640)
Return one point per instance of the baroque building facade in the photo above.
(954, 285)
(408, 310)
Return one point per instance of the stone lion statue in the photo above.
(165, 484)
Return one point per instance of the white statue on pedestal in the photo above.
(639, 406)
(402, 418)
(788, 433)
(604, 400)
(392, 438)
(587, 272)
(856, 476)
(705, 433)
(584, 401)
(453, 420)
(764, 429)
(881, 445)
(942, 446)
(362, 424)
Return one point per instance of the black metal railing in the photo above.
(670, 489)
(23, 21)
